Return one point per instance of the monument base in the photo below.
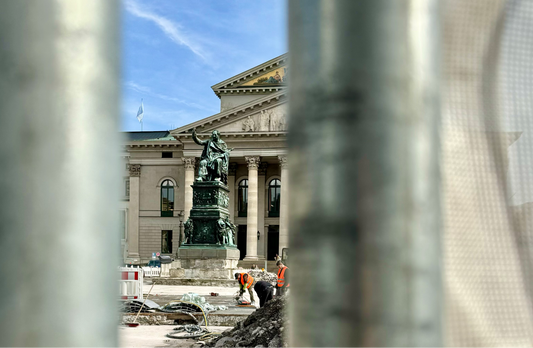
(205, 262)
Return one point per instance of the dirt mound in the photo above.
(263, 328)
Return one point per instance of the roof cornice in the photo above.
(250, 90)
(153, 144)
(186, 137)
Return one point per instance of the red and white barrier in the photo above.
(131, 283)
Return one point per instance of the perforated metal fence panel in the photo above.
(366, 103)
(487, 124)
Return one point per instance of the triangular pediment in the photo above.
(265, 114)
(267, 119)
(274, 77)
(269, 74)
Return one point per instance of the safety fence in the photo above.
(151, 271)
(131, 283)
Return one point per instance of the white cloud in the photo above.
(148, 91)
(171, 29)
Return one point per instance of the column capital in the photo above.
(263, 168)
(189, 162)
(232, 170)
(283, 161)
(135, 169)
(253, 161)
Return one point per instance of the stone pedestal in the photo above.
(210, 201)
(206, 262)
(206, 255)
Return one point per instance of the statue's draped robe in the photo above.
(213, 151)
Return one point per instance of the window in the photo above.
(127, 187)
(166, 154)
(274, 194)
(167, 198)
(243, 197)
(166, 242)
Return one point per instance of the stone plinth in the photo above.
(209, 252)
(205, 262)
(210, 203)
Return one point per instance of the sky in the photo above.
(173, 51)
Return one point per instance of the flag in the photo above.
(140, 113)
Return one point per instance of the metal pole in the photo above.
(59, 173)
(364, 151)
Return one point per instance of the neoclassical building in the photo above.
(160, 167)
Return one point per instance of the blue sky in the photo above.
(173, 51)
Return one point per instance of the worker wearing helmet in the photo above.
(245, 282)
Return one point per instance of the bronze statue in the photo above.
(225, 232)
(189, 227)
(231, 230)
(214, 160)
(221, 232)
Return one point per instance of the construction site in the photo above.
(201, 315)
(386, 143)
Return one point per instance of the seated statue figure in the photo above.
(214, 160)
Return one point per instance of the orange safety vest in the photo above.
(281, 277)
(250, 280)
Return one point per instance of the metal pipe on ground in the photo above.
(59, 178)
(363, 160)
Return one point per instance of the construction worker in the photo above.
(245, 282)
(264, 291)
(283, 279)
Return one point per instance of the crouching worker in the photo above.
(283, 279)
(265, 292)
(245, 282)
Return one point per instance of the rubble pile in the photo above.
(272, 278)
(263, 328)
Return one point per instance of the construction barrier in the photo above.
(151, 271)
(131, 283)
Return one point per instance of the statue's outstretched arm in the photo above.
(196, 139)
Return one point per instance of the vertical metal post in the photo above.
(59, 172)
(364, 151)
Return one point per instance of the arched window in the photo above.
(243, 197)
(167, 198)
(274, 194)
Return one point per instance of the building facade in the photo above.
(160, 167)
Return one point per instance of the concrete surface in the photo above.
(163, 294)
(155, 336)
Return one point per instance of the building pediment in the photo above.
(262, 115)
(265, 78)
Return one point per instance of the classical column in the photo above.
(251, 221)
(133, 212)
(231, 187)
(188, 162)
(261, 209)
(284, 205)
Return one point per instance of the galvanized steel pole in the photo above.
(364, 152)
(59, 173)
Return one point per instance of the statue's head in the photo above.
(215, 135)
